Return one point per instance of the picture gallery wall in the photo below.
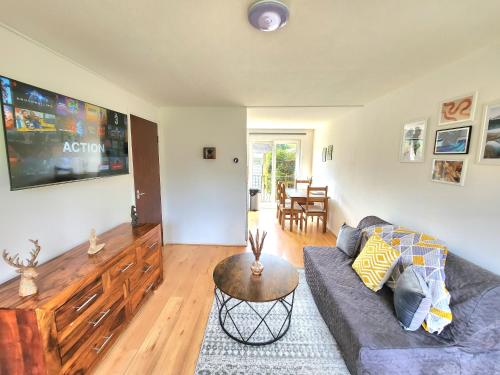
(452, 138)
(424, 156)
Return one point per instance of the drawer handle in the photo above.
(100, 348)
(149, 288)
(152, 246)
(98, 321)
(127, 267)
(80, 308)
(148, 269)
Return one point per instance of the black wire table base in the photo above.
(225, 317)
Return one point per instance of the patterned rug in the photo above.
(307, 348)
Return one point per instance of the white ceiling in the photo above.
(292, 118)
(201, 52)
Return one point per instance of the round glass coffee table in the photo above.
(255, 310)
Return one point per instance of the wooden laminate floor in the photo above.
(166, 335)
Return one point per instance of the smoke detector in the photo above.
(268, 15)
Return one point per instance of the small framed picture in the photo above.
(325, 150)
(449, 171)
(413, 142)
(330, 152)
(489, 149)
(459, 109)
(209, 153)
(452, 141)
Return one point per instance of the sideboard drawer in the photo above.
(149, 266)
(150, 246)
(123, 268)
(70, 345)
(144, 291)
(78, 303)
(98, 344)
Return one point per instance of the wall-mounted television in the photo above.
(52, 138)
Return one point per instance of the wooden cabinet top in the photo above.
(70, 270)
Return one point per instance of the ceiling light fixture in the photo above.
(268, 15)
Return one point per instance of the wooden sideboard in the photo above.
(83, 303)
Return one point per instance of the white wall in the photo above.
(366, 176)
(306, 144)
(60, 216)
(204, 201)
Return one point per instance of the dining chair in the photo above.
(316, 205)
(285, 210)
(307, 182)
(279, 187)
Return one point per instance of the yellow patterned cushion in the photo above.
(375, 262)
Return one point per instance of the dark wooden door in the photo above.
(146, 170)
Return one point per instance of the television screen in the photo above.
(52, 138)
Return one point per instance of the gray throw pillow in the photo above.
(347, 240)
(412, 299)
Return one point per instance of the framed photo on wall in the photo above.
(330, 152)
(323, 156)
(452, 141)
(457, 110)
(413, 142)
(489, 149)
(448, 171)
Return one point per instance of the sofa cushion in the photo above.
(412, 299)
(428, 255)
(348, 239)
(365, 223)
(369, 221)
(375, 263)
(359, 319)
(475, 304)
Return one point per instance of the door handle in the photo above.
(126, 267)
(90, 299)
(106, 340)
(138, 194)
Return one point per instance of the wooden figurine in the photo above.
(94, 247)
(134, 216)
(257, 246)
(27, 287)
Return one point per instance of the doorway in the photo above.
(272, 162)
(146, 170)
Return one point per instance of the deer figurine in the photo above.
(28, 272)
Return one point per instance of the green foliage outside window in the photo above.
(285, 166)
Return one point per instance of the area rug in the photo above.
(307, 348)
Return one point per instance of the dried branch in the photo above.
(258, 243)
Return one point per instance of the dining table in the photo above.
(299, 196)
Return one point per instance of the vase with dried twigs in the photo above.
(257, 245)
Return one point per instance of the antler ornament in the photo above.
(27, 286)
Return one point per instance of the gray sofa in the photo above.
(370, 337)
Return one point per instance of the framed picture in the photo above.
(449, 171)
(324, 154)
(330, 152)
(452, 141)
(413, 142)
(456, 110)
(209, 153)
(489, 150)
